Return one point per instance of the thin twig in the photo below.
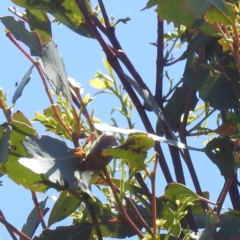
(9, 230)
(104, 13)
(86, 114)
(160, 62)
(13, 229)
(223, 195)
(119, 203)
(38, 209)
(153, 201)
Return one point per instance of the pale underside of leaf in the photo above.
(107, 128)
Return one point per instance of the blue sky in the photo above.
(82, 58)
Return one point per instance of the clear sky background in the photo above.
(82, 58)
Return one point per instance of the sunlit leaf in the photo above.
(177, 191)
(97, 83)
(52, 158)
(19, 31)
(54, 69)
(22, 85)
(64, 11)
(165, 213)
(39, 22)
(133, 150)
(107, 128)
(65, 205)
(222, 13)
(21, 127)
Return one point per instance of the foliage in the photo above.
(119, 164)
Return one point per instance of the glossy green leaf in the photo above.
(220, 151)
(21, 127)
(33, 221)
(165, 213)
(74, 232)
(18, 92)
(64, 11)
(39, 22)
(133, 150)
(19, 31)
(65, 205)
(54, 69)
(5, 131)
(177, 191)
(222, 13)
(52, 157)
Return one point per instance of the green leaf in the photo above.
(219, 91)
(18, 92)
(5, 131)
(230, 229)
(198, 8)
(222, 155)
(54, 69)
(21, 127)
(65, 205)
(165, 213)
(175, 14)
(52, 157)
(97, 83)
(74, 232)
(133, 150)
(33, 221)
(177, 191)
(222, 13)
(19, 31)
(39, 22)
(65, 11)
(151, 3)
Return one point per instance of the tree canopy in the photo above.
(108, 180)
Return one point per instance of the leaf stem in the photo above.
(223, 195)
(38, 209)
